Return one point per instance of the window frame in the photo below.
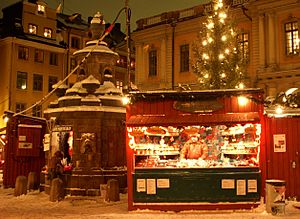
(37, 84)
(47, 32)
(293, 49)
(39, 55)
(37, 111)
(53, 58)
(22, 79)
(152, 59)
(35, 28)
(75, 42)
(244, 44)
(51, 81)
(23, 52)
(184, 51)
(20, 107)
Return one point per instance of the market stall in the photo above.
(194, 149)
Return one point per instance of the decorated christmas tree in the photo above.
(218, 58)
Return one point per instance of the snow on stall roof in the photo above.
(113, 109)
(36, 205)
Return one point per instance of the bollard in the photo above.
(57, 192)
(20, 186)
(32, 183)
(112, 191)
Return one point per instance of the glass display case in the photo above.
(226, 146)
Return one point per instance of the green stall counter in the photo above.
(213, 185)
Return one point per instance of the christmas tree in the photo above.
(218, 59)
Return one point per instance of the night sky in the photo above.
(110, 8)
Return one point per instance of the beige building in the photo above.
(269, 33)
(31, 59)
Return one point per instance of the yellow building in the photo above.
(31, 59)
(269, 33)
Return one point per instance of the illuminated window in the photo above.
(51, 81)
(37, 82)
(119, 84)
(22, 80)
(47, 32)
(20, 107)
(32, 29)
(53, 58)
(39, 55)
(292, 38)
(244, 43)
(23, 52)
(37, 111)
(184, 58)
(41, 9)
(153, 63)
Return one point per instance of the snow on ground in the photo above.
(37, 205)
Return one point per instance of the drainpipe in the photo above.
(173, 25)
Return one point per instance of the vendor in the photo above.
(194, 148)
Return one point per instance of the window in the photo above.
(37, 82)
(244, 43)
(153, 63)
(32, 29)
(53, 58)
(184, 58)
(119, 84)
(52, 80)
(47, 32)
(292, 38)
(37, 111)
(75, 42)
(41, 9)
(22, 80)
(39, 55)
(23, 52)
(20, 107)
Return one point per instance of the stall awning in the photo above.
(192, 119)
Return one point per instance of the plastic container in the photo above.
(275, 196)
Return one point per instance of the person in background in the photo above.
(55, 167)
(194, 148)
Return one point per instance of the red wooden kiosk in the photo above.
(158, 126)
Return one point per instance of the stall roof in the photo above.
(192, 94)
(191, 119)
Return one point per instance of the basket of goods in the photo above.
(137, 133)
(191, 131)
(155, 130)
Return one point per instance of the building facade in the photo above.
(37, 45)
(31, 59)
(269, 36)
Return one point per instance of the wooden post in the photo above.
(20, 186)
(57, 192)
(112, 190)
(32, 183)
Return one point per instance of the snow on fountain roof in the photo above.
(90, 80)
(108, 87)
(95, 47)
(77, 88)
